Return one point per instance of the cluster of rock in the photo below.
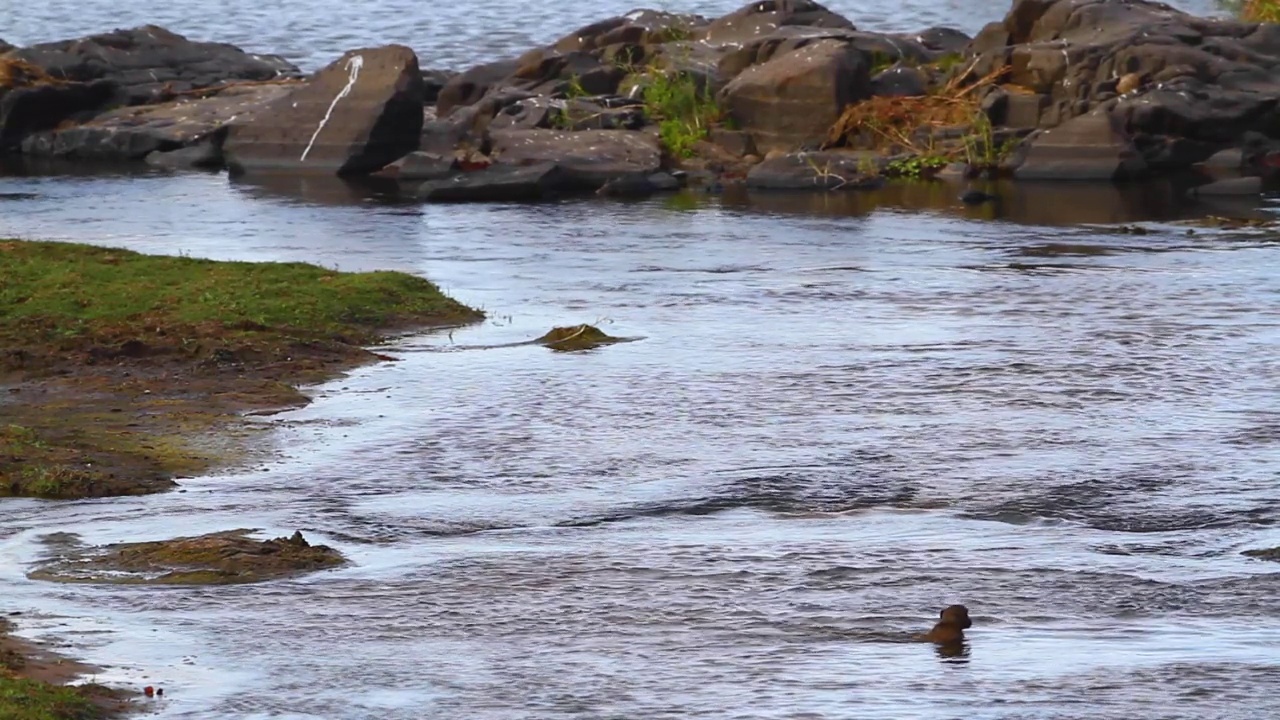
(1076, 89)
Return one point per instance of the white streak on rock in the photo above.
(353, 68)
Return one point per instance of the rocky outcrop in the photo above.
(150, 62)
(353, 117)
(1103, 90)
(132, 133)
(1180, 87)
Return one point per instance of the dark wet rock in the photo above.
(943, 40)
(639, 185)
(814, 171)
(1160, 72)
(498, 183)
(900, 81)
(469, 87)
(793, 100)
(1264, 554)
(355, 116)
(765, 16)
(203, 155)
(420, 166)
(433, 81)
(43, 106)
(5, 47)
(1090, 147)
(588, 159)
(528, 114)
(215, 559)
(576, 337)
(592, 114)
(150, 62)
(546, 72)
(977, 197)
(1251, 185)
(132, 133)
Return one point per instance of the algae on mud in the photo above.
(122, 371)
(221, 558)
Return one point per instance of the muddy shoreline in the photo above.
(103, 399)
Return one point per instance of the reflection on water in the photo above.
(846, 413)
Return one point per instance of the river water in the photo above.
(840, 414)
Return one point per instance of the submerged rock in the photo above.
(353, 117)
(215, 559)
(498, 183)
(1265, 554)
(577, 337)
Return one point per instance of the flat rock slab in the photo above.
(1088, 147)
(353, 117)
(132, 133)
(498, 183)
(588, 158)
(215, 559)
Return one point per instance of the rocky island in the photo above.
(780, 94)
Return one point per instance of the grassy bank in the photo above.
(31, 689)
(121, 371)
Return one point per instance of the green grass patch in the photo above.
(22, 699)
(53, 292)
(684, 111)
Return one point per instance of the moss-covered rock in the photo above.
(216, 559)
(577, 337)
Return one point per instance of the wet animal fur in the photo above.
(953, 621)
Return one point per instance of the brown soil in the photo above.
(27, 660)
(126, 420)
(216, 559)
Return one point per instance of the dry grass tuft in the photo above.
(887, 121)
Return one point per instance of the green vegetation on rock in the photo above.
(684, 111)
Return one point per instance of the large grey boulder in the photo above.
(353, 117)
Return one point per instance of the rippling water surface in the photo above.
(842, 414)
